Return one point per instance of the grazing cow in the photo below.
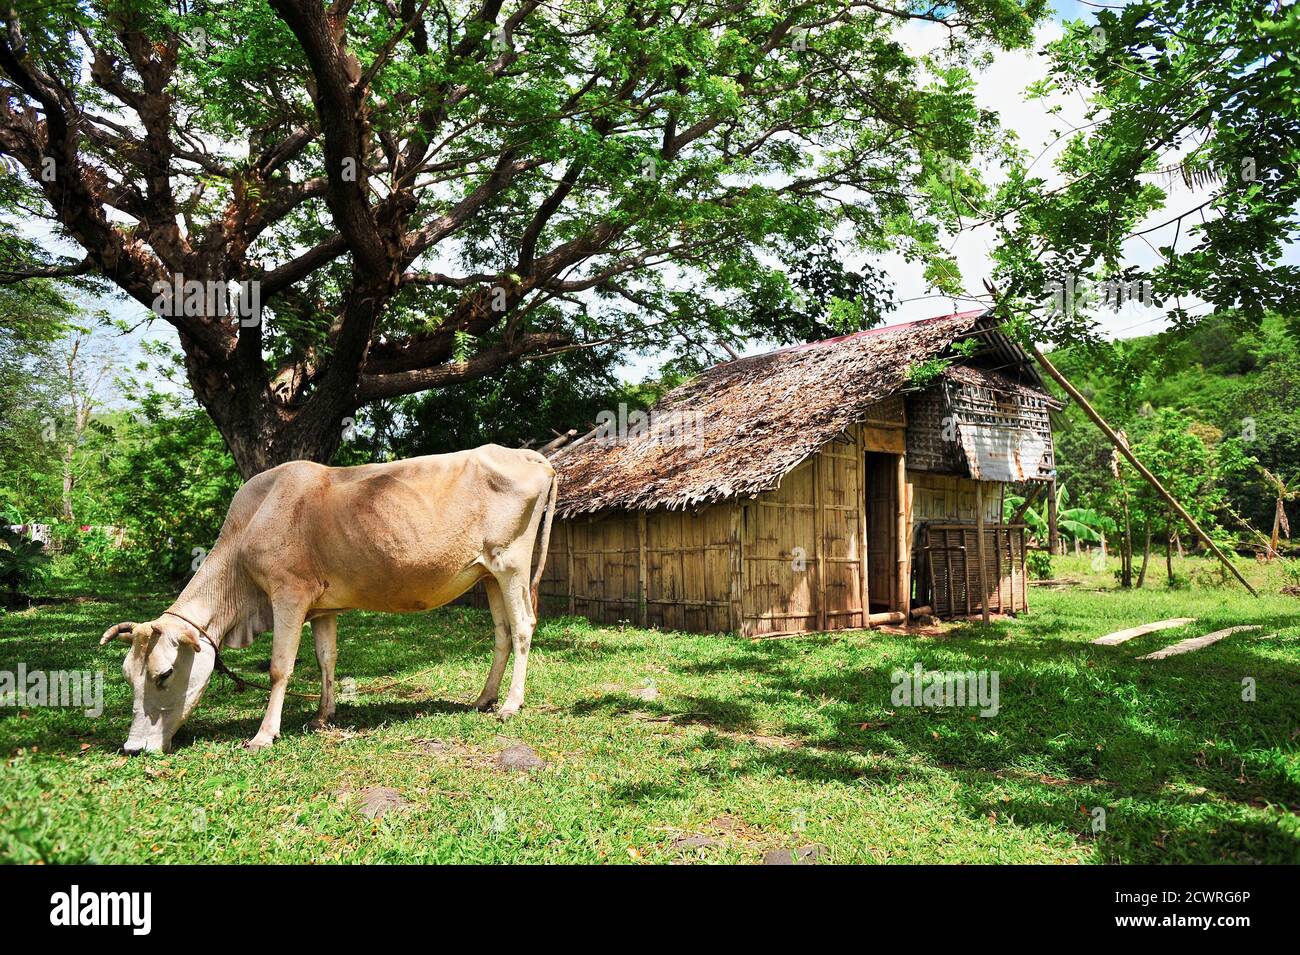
(303, 542)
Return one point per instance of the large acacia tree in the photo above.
(423, 192)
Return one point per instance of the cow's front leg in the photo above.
(284, 652)
(501, 648)
(325, 630)
(519, 612)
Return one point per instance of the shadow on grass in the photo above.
(1078, 726)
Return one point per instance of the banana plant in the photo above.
(21, 561)
(1076, 524)
(1283, 490)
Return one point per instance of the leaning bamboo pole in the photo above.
(1141, 468)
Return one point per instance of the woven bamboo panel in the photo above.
(802, 547)
(948, 573)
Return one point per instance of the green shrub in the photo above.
(1039, 563)
(22, 564)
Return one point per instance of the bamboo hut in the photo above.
(812, 488)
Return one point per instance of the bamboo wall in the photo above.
(951, 499)
(792, 560)
(684, 558)
(802, 547)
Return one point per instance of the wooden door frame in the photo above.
(891, 468)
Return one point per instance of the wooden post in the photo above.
(643, 594)
(862, 527)
(819, 539)
(1053, 534)
(979, 531)
(1024, 573)
(902, 555)
(572, 585)
(1123, 448)
(737, 568)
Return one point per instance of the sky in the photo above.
(999, 88)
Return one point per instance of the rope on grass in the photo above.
(370, 689)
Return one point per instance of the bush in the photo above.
(22, 564)
(1039, 563)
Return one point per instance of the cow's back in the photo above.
(401, 535)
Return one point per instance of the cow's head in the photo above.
(168, 667)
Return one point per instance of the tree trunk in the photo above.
(262, 432)
(259, 445)
(1126, 555)
(68, 481)
(1169, 553)
(1146, 558)
(1275, 541)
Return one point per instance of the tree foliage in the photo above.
(1193, 122)
(422, 194)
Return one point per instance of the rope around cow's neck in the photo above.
(216, 650)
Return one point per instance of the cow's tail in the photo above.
(546, 541)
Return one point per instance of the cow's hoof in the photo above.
(485, 705)
(316, 724)
(507, 714)
(256, 743)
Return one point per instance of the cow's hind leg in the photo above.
(519, 613)
(289, 618)
(500, 650)
(325, 630)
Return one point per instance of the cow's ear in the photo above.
(190, 638)
(119, 631)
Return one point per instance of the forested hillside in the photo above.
(1210, 410)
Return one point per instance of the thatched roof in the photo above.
(739, 427)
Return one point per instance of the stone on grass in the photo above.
(694, 841)
(377, 801)
(804, 855)
(519, 758)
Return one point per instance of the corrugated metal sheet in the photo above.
(1004, 454)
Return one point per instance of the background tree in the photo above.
(421, 194)
(87, 366)
(1186, 97)
(1283, 490)
(1189, 466)
(33, 316)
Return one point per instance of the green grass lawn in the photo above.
(752, 746)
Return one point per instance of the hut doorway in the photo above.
(882, 504)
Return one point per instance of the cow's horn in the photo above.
(119, 631)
